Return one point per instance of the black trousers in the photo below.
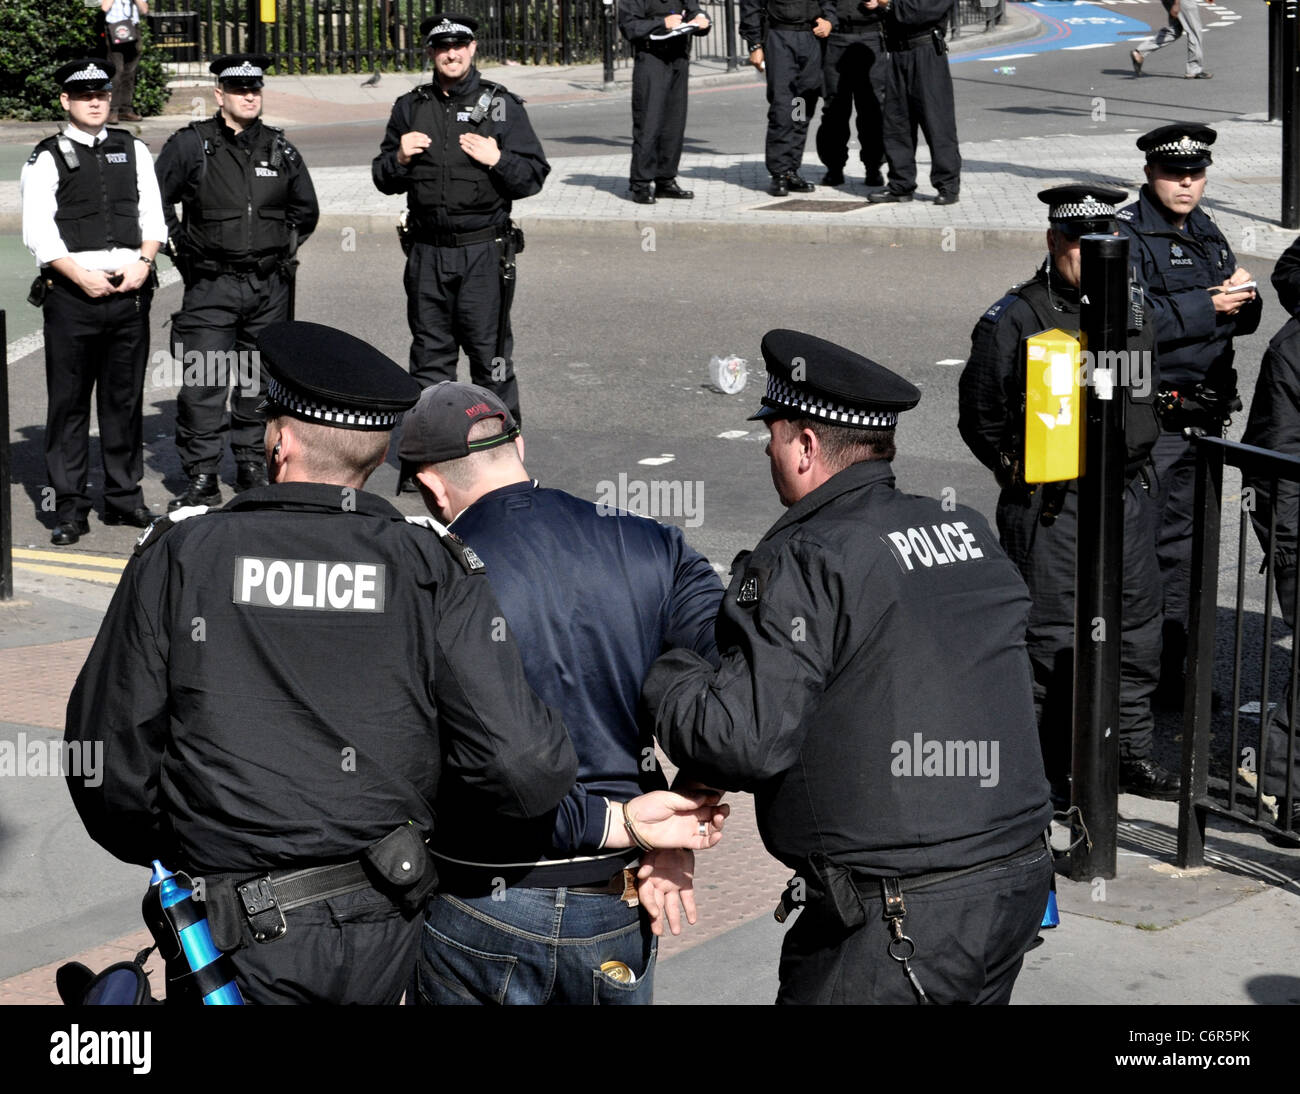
(971, 935)
(793, 60)
(855, 72)
(213, 339)
(102, 345)
(127, 59)
(453, 301)
(1174, 459)
(1045, 556)
(358, 948)
(920, 94)
(659, 84)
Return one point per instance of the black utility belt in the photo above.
(915, 41)
(458, 239)
(850, 24)
(484, 879)
(263, 266)
(777, 24)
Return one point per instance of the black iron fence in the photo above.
(1219, 781)
(330, 36)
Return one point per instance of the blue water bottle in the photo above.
(181, 919)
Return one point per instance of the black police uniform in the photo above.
(1038, 525)
(869, 630)
(855, 74)
(792, 58)
(1274, 423)
(919, 93)
(659, 84)
(99, 343)
(248, 205)
(280, 684)
(1194, 344)
(459, 224)
(1286, 278)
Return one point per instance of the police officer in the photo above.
(1190, 276)
(1274, 423)
(248, 205)
(784, 40)
(855, 71)
(586, 585)
(282, 683)
(919, 93)
(461, 149)
(875, 696)
(661, 35)
(1038, 525)
(93, 220)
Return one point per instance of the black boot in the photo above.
(204, 489)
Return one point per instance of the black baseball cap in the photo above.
(437, 428)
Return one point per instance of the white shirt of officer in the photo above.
(39, 184)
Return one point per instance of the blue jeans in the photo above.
(533, 946)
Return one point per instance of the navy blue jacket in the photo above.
(1176, 267)
(592, 597)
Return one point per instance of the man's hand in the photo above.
(821, 28)
(1227, 302)
(481, 149)
(701, 21)
(93, 283)
(666, 887)
(672, 22)
(412, 145)
(663, 818)
(133, 276)
(756, 59)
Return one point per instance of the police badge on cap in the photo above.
(240, 70)
(86, 74)
(1079, 210)
(1180, 145)
(808, 377)
(446, 28)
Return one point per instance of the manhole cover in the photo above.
(812, 205)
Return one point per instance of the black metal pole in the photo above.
(1099, 576)
(6, 514)
(729, 23)
(607, 45)
(1290, 116)
(1274, 60)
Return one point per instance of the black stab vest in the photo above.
(99, 202)
(444, 179)
(238, 211)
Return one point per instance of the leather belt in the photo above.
(457, 239)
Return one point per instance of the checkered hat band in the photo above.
(446, 28)
(1087, 209)
(90, 72)
(785, 394)
(276, 392)
(1183, 147)
(241, 69)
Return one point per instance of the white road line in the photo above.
(1009, 57)
(950, 361)
(1094, 45)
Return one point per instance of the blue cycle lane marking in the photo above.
(1075, 25)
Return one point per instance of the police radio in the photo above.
(1054, 407)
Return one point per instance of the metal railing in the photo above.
(328, 36)
(1197, 803)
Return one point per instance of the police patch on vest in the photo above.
(933, 545)
(266, 173)
(1177, 258)
(462, 115)
(751, 589)
(309, 584)
(115, 157)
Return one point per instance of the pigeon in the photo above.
(373, 81)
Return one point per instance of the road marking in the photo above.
(1008, 57)
(733, 434)
(1093, 45)
(101, 561)
(950, 361)
(655, 461)
(99, 577)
